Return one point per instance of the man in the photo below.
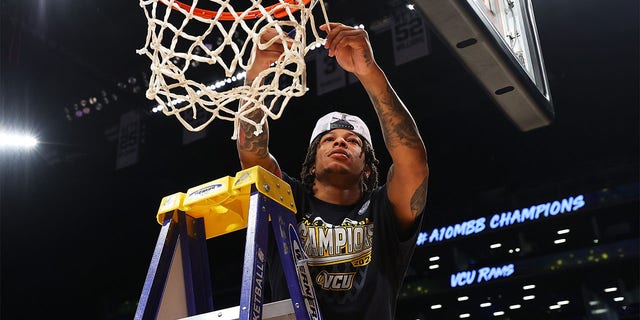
(359, 237)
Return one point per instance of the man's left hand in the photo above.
(351, 48)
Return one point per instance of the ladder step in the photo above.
(279, 310)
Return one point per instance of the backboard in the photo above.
(497, 40)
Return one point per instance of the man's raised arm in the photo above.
(408, 176)
(254, 149)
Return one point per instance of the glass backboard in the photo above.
(498, 42)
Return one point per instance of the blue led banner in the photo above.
(465, 278)
(504, 219)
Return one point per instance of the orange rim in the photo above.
(226, 16)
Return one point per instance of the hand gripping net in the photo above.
(187, 41)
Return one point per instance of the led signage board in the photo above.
(465, 278)
(501, 220)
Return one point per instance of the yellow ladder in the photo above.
(178, 282)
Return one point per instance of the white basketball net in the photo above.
(179, 39)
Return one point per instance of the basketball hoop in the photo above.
(184, 39)
(278, 11)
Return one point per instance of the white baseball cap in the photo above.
(339, 120)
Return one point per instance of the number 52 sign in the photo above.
(409, 37)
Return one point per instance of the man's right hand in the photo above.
(265, 57)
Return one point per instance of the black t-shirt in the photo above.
(356, 258)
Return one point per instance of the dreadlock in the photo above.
(368, 184)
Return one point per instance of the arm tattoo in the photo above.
(419, 198)
(368, 60)
(398, 128)
(248, 142)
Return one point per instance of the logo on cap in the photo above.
(339, 120)
(341, 124)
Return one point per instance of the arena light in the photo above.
(599, 311)
(559, 241)
(17, 140)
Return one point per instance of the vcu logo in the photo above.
(335, 281)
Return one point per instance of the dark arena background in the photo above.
(536, 224)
